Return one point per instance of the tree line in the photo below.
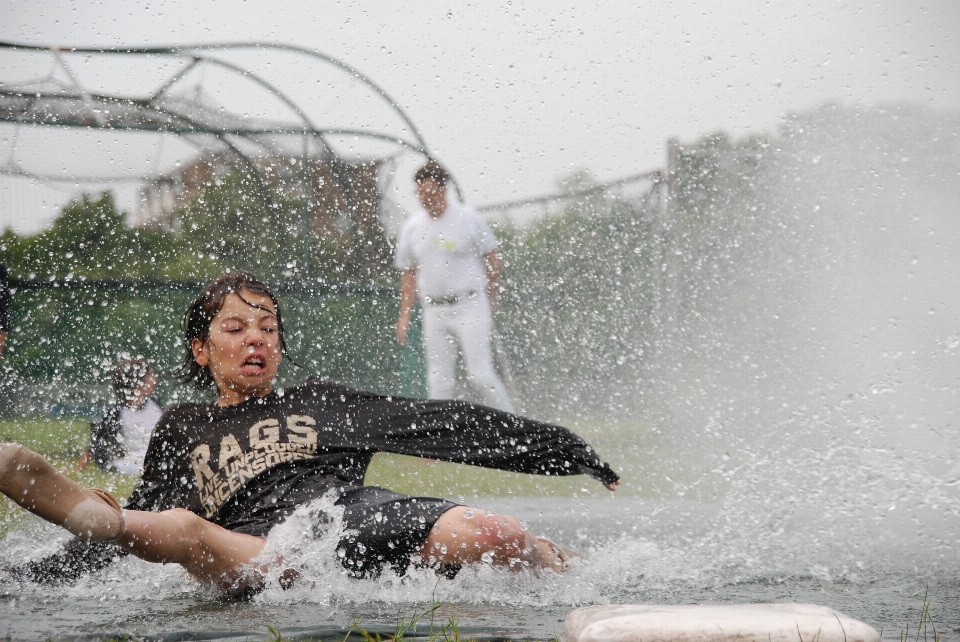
(228, 226)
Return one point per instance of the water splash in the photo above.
(801, 406)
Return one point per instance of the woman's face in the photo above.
(243, 348)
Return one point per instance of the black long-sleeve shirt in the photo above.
(247, 466)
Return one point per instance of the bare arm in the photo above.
(408, 298)
(493, 264)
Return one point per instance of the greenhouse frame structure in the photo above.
(61, 99)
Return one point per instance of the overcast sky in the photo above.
(514, 95)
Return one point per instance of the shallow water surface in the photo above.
(638, 551)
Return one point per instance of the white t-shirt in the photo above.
(447, 251)
(138, 424)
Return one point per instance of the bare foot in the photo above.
(562, 556)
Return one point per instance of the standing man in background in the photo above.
(6, 306)
(450, 262)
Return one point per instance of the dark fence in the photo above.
(68, 334)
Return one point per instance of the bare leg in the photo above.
(465, 535)
(210, 553)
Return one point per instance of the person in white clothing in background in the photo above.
(450, 262)
(118, 442)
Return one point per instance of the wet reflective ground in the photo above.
(638, 551)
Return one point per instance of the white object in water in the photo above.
(714, 623)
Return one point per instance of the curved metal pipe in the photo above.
(653, 176)
(331, 60)
(308, 124)
(184, 50)
(185, 132)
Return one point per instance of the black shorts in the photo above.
(383, 528)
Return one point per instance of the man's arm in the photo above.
(493, 264)
(6, 305)
(106, 444)
(77, 558)
(408, 298)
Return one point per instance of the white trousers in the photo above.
(466, 323)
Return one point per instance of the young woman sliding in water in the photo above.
(218, 477)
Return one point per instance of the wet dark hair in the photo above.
(128, 376)
(432, 171)
(200, 314)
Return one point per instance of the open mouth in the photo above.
(254, 362)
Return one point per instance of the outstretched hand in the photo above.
(613, 487)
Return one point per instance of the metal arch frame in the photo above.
(193, 61)
(192, 127)
(183, 125)
(192, 124)
(185, 132)
(307, 123)
(655, 177)
(201, 130)
(344, 66)
(330, 60)
(189, 51)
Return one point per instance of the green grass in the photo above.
(58, 438)
(440, 628)
(416, 476)
(926, 629)
(651, 465)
